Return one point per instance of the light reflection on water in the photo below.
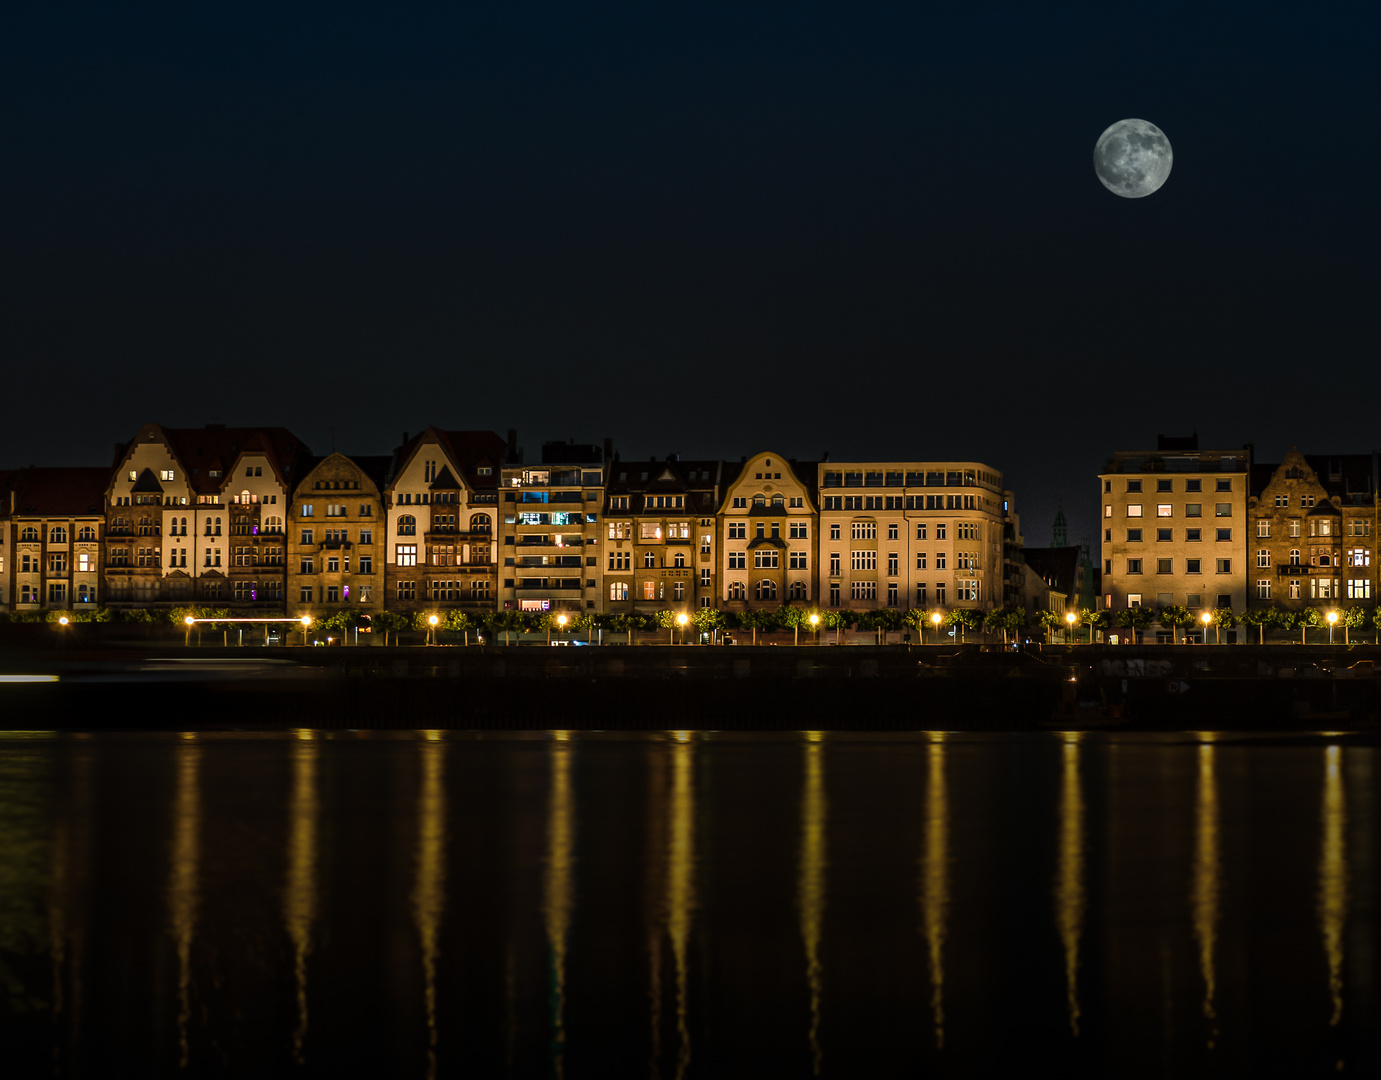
(59, 938)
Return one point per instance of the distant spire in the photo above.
(1061, 536)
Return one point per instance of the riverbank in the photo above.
(888, 688)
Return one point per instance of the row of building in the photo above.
(249, 519)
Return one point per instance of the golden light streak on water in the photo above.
(59, 889)
(935, 884)
(1204, 895)
(1333, 876)
(655, 859)
(300, 887)
(184, 887)
(810, 888)
(558, 886)
(680, 886)
(429, 892)
(1070, 899)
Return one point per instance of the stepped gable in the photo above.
(60, 492)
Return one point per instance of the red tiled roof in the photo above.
(69, 492)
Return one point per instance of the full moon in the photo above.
(1132, 158)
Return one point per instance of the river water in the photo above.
(687, 904)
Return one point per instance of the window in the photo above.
(1282, 500)
(1193, 485)
(737, 591)
(940, 593)
(366, 564)
(765, 590)
(1165, 485)
(649, 560)
(798, 560)
(939, 530)
(304, 594)
(57, 564)
(863, 590)
(1263, 529)
(1107, 510)
(1222, 484)
(1163, 536)
(1222, 509)
(1359, 588)
(405, 554)
(863, 530)
(1165, 566)
(1263, 588)
(333, 565)
(863, 560)
(1322, 588)
(1225, 566)
(1263, 557)
(1294, 590)
(1164, 510)
(1133, 485)
(1223, 535)
(966, 590)
(1359, 557)
(765, 559)
(407, 525)
(740, 502)
(940, 560)
(57, 592)
(305, 510)
(834, 531)
(738, 530)
(1192, 566)
(307, 565)
(618, 590)
(892, 531)
(1134, 510)
(738, 560)
(619, 560)
(1294, 556)
(705, 544)
(1133, 566)
(920, 530)
(1193, 509)
(1133, 536)
(1134, 599)
(1193, 536)
(704, 577)
(920, 560)
(1292, 528)
(407, 590)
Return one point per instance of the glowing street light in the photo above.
(681, 621)
(1332, 618)
(306, 622)
(936, 620)
(1070, 620)
(432, 620)
(1207, 619)
(561, 624)
(815, 627)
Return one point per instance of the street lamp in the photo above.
(815, 627)
(681, 621)
(1070, 619)
(432, 620)
(1332, 618)
(187, 635)
(936, 620)
(306, 621)
(561, 624)
(1207, 620)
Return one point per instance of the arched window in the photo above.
(736, 590)
(649, 560)
(704, 545)
(218, 526)
(57, 535)
(798, 590)
(273, 524)
(759, 500)
(29, 533)
(87, 533)
(778, 502)
(407, 525)
(766, 590)
(481, 523)
(680, 559)
(1294, 557)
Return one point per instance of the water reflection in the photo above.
(810, 889)
(935, 879)
(558, 885)
(429, 894)
(680, 886)
(300, 888)
(1070, 898)
(1333, 876)
(1204, 895)
(184, 896)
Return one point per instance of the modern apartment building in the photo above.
(336, 538)
(1175, 526)
(441, 501)
(51, 538)
(1312, 521)
(661, 534)
(551, 549)
(197, 515)
(768, 535)
(911, 534)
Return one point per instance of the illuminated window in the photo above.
(1263, 557)
(1263, 588)
(1164, 510)
(1134, 510)
(405, 555)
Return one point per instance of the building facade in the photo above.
(911, 534)
(767, 535)
(441, 503)
(336, 538)
(51, 539)
(1312, 522)
(1175, 527)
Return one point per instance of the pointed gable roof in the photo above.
(147, 484)
(445, 481)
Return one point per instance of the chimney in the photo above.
(825, 456)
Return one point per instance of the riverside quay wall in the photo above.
(767, 688)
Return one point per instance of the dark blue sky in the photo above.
(701, 228)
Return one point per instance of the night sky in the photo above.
(709, 229)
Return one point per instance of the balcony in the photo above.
(1305, 570)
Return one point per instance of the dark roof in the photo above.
(72, 492)
(216, 448)
(1349, 477)
(374, 466)
(571, 453)
(696, 479)
(1059, 566)
(468, 449)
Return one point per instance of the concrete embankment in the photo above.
(891, 688)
